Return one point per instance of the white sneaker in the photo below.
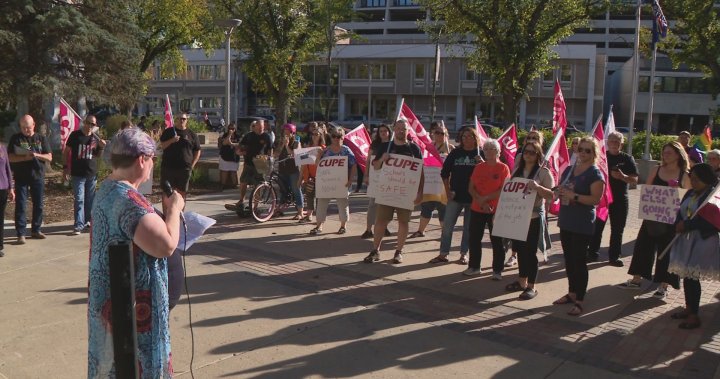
(661, 293)
(512, 261)
(497, 276)
(472, 272)
(76, 232)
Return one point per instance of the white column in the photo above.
(523, 113)
(590, 112)
(458, 112)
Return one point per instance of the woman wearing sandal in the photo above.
(382, 135)
(431, 201)
(336, 148)
(653, 237)
(309, 171)
(580, 189)
(694, 255)
(542, 182)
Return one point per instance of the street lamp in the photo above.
(230, 25)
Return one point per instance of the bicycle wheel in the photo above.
(264, 202)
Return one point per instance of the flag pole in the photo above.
(636, 67)
(648, 126)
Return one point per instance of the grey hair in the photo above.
(492, 144)
(617, 135)
(714, 152)
(132, 142)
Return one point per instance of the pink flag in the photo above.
(606, 199)
(557, 160)
(508, 145)
(559, 119)
(481, 132)
(69, 121)
(420, 136)
(169, 123)
(358, 140)
(709, 211)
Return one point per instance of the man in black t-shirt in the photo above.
(384, 213)
(623, 172)
(252, 144)
(84, 147)
(28, 152)
(181, 152)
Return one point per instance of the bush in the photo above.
(112, 125)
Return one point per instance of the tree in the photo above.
(512, 40)
(333, 12)
(279, 37)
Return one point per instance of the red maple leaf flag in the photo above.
(419, 135)
(508, 145)
(557, 160)
(358, 140)
(69, 121)
(169, 123)
(559, 119)
(481, 132)
(606, 199)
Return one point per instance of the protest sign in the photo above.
(306, 155)
(332, 177)
(514, 210)
(373, 177)
(399, 180)
(433, 184)
(659, 203)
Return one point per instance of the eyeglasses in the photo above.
(337, 136)
(586, 151)
(530, 152)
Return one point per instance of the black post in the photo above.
(122, 296)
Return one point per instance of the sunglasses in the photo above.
(91, 124)
(337, 136)
(530, 152)
(586, 151)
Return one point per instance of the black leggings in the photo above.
(527, 252)
(575, 247)
(477, 230)
(692, 295)
(644, 253)
(618, 212)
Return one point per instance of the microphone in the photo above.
(169, 191)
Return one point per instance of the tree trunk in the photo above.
(509, 108)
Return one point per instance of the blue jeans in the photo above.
(37, 190)
(291, 182)
(452, 212)
(83, 196)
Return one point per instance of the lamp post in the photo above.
(230, 25)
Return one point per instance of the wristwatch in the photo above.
(576, 198)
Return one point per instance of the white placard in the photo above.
(433, 184)
(373, 177)
(514, 210)
(399, 180)
(659, 203)
(332, 177)
(306, 155)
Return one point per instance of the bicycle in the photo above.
(271, 196)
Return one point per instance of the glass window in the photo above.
(644, 84)
(206, 72)
(683, 85)
(669, 84)
(565, 73)
(698, 85)
(658, 84)
(210, 102)
(419, 71)
(186, 104)
(221, 71)
(188, 74)
(376, 71)
(362, 71)
(470, 74)
(390, 71)
(547, 76)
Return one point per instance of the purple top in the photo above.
(5, 173)
(694, 154)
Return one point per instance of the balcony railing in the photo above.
(405, 3)
(372, 3)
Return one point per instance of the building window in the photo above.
(189, 73)
(470, 74)
(221, 70)
(565, 73)
(389, 71)
(683, 85)
(206, 72)
(644, 84)
(186, 104)
(210, 102)
(669, 84)
(547, 76)
(698, 85)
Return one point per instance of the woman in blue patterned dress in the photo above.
(121, 214)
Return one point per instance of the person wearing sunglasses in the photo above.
(28, 152)
(335, 149)
(254, 144)
(83, 147)
(181, 152)
(581, 186)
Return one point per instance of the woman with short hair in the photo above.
(713, 159)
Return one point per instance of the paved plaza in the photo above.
(270, 301)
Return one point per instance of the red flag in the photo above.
(428, 159)
(481, 132)
(559, 119)
(358, 140)
(557, 160)
(709, 211)
(606, 199)
(418, 132)
(508, 146)
(69, 121)
(169, 123)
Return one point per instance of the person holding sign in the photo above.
(309, 172)
(485, 185)
(694, 255)
(542, 182)
(400, 145)
(455, 173)
(433, 201)
(336, 149)
(382, 136)
(581, 187)
(623, 171)
(653, 236)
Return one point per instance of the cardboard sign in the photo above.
(373, 177)
(332, 177)
(433, 184)
(514, 210)
(306, 155)
(399, 180)
(659, 203)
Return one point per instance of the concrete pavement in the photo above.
(268, 300)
